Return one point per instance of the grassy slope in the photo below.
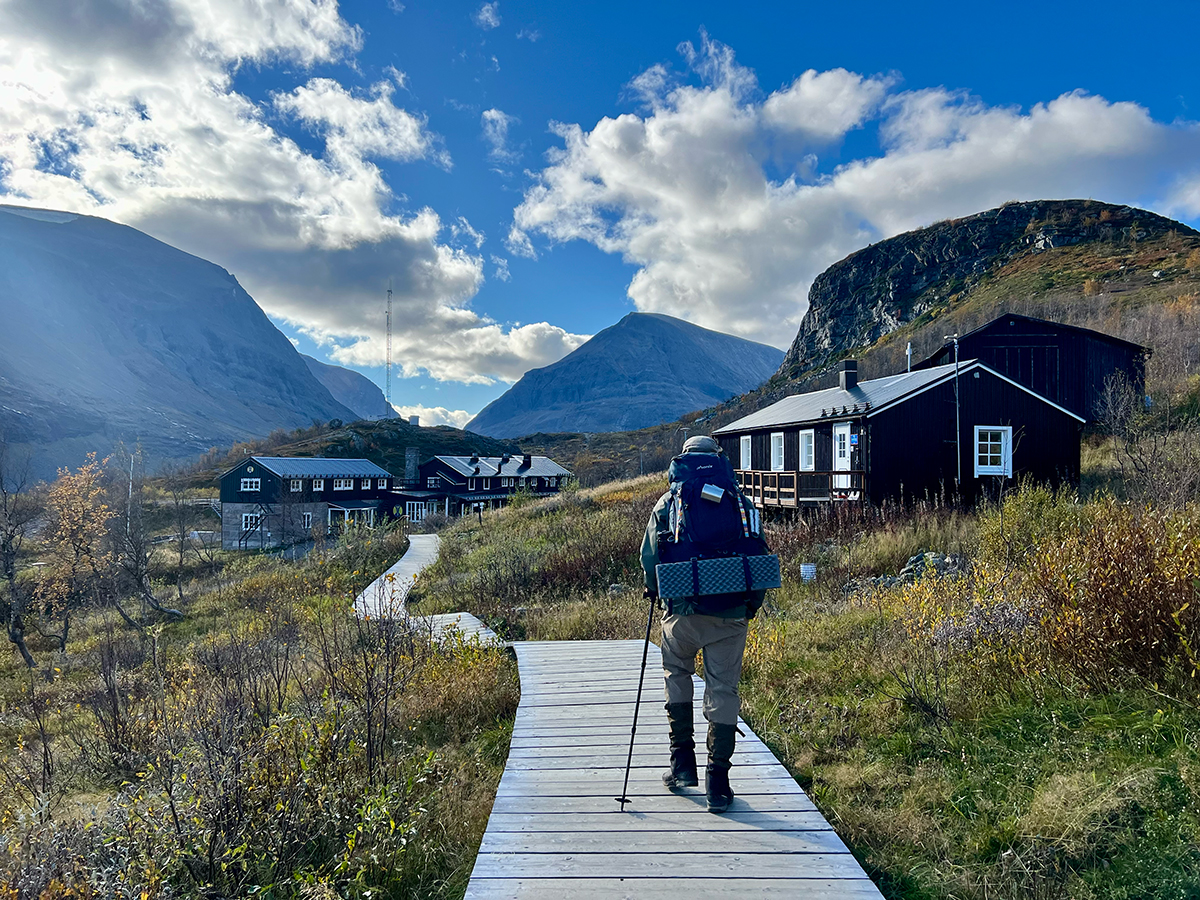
(1028, 787)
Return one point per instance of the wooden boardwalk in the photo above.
(556, 830)
(462, 623)
(385, 596)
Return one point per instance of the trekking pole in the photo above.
(624, 798)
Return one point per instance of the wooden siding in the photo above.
(1062, 364)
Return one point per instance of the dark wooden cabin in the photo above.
(896, 438)
(267, 501)
(456, 485)
(1063, 363)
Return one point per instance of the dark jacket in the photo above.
(660, 523)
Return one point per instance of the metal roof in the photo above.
(1061, 326)
(513, 467)
(319, 467)
(865, 399)
(354, 504)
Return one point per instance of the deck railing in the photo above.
(801, 488)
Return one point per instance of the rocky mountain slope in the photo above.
(880, 288)
(644, 370)
(108, 334)
(350, 388)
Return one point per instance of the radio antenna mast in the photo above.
(388, 377)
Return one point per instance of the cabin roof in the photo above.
(513, 467)
(865, 399)
(318, 467)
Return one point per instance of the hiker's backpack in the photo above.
(710, 519)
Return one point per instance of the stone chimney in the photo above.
(414, 421)
(848, 374)
(411, 465)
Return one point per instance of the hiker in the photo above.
(714, 625)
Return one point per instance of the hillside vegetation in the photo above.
(1016, 717)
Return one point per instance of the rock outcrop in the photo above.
(645, 370)
(876, 290)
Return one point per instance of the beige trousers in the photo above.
(723, 641)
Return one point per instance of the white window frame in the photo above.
(1006, 448)
(343, 484)
(381, 484)
(297, 485)
(745, 445)
(808, 450)
(777, 459)
(251, 484)
(318, 485)
(487, 484)
(433, 482)
(308, 521)
(251, 522)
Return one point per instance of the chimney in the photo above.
(848, 374)
(411, 465)
(527, 461)
(414, 421)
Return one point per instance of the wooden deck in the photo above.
(385, 596)
(556, 830)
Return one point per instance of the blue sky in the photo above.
(709, 159)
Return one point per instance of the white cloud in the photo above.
(689, 190)
(529, 34)
(495, 124)
(487, 16)
(501, 265)
(436, 415)
(128, 110)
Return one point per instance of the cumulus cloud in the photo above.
(128, 110)
(436, 415)
(487, 16)
(690, 191)
(495, 124)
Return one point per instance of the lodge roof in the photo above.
(864, 399)
(510, 467)
(318, 467)
(1059, 326)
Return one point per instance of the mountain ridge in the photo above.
(112, 335)
(646, 369)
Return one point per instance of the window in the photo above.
(343, 484)
(993, 450)
(318, 484)
(433, 482)
(487, 484)
(251, 484)
(808, 460)
(841, 445)
(777, 451)
(745, 446)
(308, 521)
(470, 484)
(416, 510)
(381, 483)
(297, 485)
(251, 521)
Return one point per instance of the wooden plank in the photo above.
(674, 841)
(617, 888)
(668, 864)
(649, 803)
(655, 760)
(695, 821)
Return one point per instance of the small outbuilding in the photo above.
(945, 431)
(1063, 363)
(269, 501)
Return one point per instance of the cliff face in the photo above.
(351, 389)
(876, 290)
(644, 370)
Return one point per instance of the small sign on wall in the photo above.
(854, 440)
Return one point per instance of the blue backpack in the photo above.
(709, 518)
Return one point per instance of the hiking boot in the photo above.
(721, 740)
(683, 748)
